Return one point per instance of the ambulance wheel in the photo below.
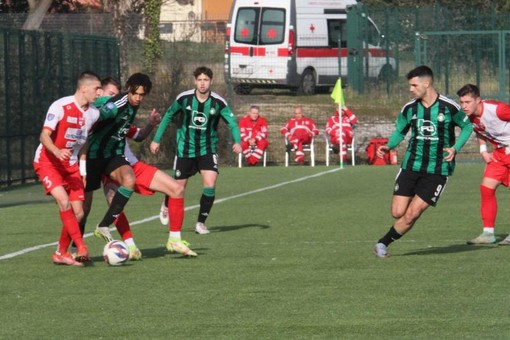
(243, 89)
(307, 86)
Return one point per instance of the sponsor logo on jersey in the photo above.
(427, 130)
(198, 120)
(74, 134)
(72, 120)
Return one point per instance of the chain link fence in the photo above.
(39, 67)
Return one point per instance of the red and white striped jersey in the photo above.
(493, 123)
(69, 126)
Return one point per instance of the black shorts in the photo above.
(103, 166)
(428, 187)
(187, 167)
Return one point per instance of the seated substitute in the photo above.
(298, 131)
(333, 125)
(253, 128)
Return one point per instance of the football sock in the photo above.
(175, 234)
(129, 241)
(488, 206)
(206, 203)
(176, 214)
(119, 201)
(123, 228)
(391, 235)
(72, 227)
(64, 241)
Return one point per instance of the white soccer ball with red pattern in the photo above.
(116, 253)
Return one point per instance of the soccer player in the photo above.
(253, 129)
(200, 110)
(346, 126)
(490, 123)
(56, 164)
(106, 145)
(149, 180)
(430, 155)
(298, 131)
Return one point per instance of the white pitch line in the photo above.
(148, 219)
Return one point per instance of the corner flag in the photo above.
(337, 94)
(338, 97)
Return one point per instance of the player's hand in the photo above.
(381, 150)
(154, 147)
(237, 148)
(450, 154)
(154, 118)
(63, 154)
(487, 156)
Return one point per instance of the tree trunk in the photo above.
(36, 15)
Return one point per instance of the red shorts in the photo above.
(144, 174)
(52, 176)
(499, 168)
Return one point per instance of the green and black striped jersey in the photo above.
(197, 134)
(108, 135)
(432, 130)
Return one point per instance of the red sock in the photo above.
(488, 207)
(64, 241)
(72, 227)
(122, 225)
(176, 213)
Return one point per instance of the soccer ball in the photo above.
(115, 253)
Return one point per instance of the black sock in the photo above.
(391, 235)
(206, 203)
(119, 201)
(166, 200)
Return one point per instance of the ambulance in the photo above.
(294, 44)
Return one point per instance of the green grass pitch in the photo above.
(289, 257)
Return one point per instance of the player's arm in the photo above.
(167, 118)
(461, 120)
(153, 120)
(228, 117)
(47, 142)
(482, 143)
(82, 161)
(503, 112)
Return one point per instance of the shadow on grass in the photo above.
(451, 249)
(238, 227)
(33, 202)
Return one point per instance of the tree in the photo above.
(38, 9)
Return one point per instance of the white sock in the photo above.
(129, 242)
(488, 230)
(175, 234)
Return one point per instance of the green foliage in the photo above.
(289, 262)
(152, 44)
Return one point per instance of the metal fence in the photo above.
(460, 57)
(38, 68)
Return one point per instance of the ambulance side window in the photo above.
(272, 26)
(246, 26)
(336, 28)
(373, 35)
